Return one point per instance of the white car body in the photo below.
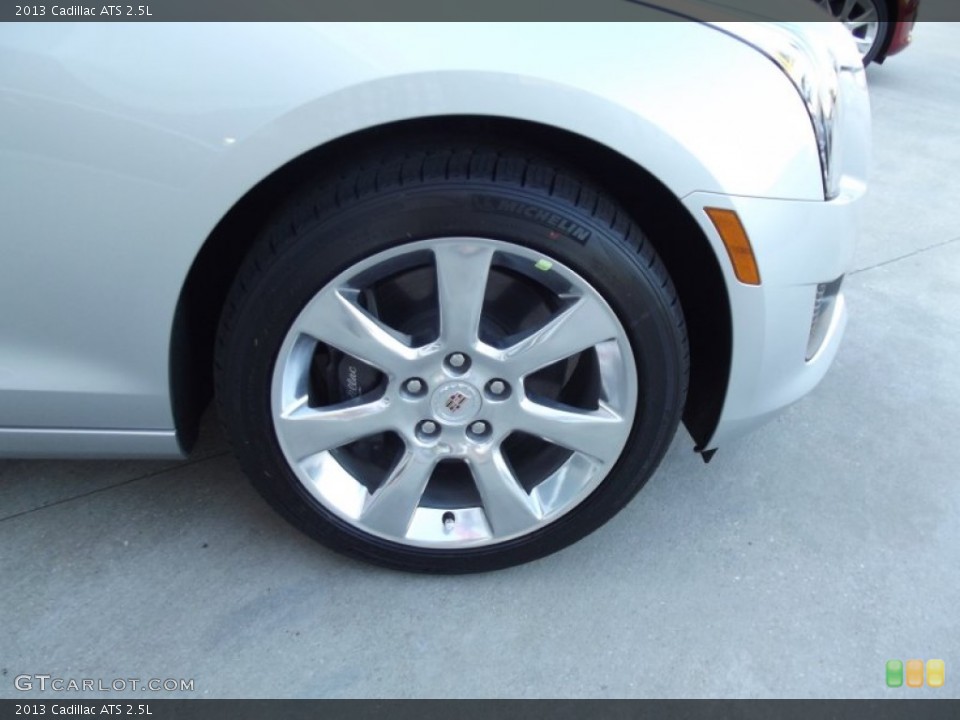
(124, 146)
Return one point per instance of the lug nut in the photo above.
(457, 362)
(428, 427)
(498, 387)
(414, 386)
(478, 428)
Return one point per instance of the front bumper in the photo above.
(800, 247)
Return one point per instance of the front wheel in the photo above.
(451, 360)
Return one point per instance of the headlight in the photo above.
(812, 55)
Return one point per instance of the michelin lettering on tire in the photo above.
(516, 208)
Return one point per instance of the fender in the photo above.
(166, 151)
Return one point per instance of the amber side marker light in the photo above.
(737, 243)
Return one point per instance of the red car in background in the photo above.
(881, 28)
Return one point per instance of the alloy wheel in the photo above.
(454, 393)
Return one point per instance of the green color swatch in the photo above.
(894, 673)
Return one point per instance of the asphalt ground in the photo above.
(794, 565)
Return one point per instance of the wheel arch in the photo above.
(678, 239)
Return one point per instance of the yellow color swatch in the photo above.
(935, 673)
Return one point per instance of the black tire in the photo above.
(429, 192)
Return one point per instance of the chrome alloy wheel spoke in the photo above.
(509, 509)
(596, 434)
(307, 431)
(335, 317)
(582, 325)
(391, 508)
(462, 272)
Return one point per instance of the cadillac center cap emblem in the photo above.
(456, 403)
